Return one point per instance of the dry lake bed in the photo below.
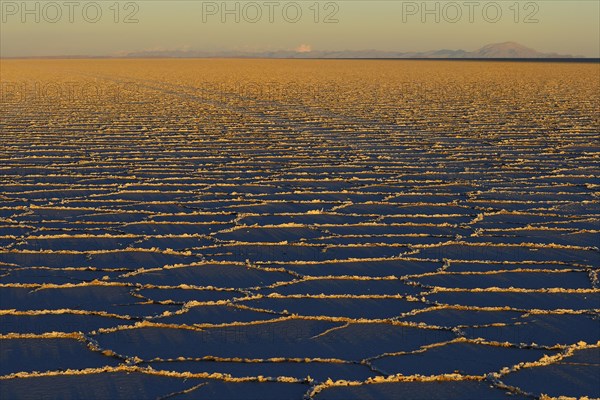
(262, 229)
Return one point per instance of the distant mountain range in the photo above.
(491, 51)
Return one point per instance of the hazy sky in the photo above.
(104, 27)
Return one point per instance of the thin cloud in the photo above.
(304, 48)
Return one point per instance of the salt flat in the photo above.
(307, 229)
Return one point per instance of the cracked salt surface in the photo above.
(350, 243)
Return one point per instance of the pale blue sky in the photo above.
(565, 27)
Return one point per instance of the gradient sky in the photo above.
(565, 27)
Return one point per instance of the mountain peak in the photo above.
(507, 50)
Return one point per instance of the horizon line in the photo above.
(250, 57)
